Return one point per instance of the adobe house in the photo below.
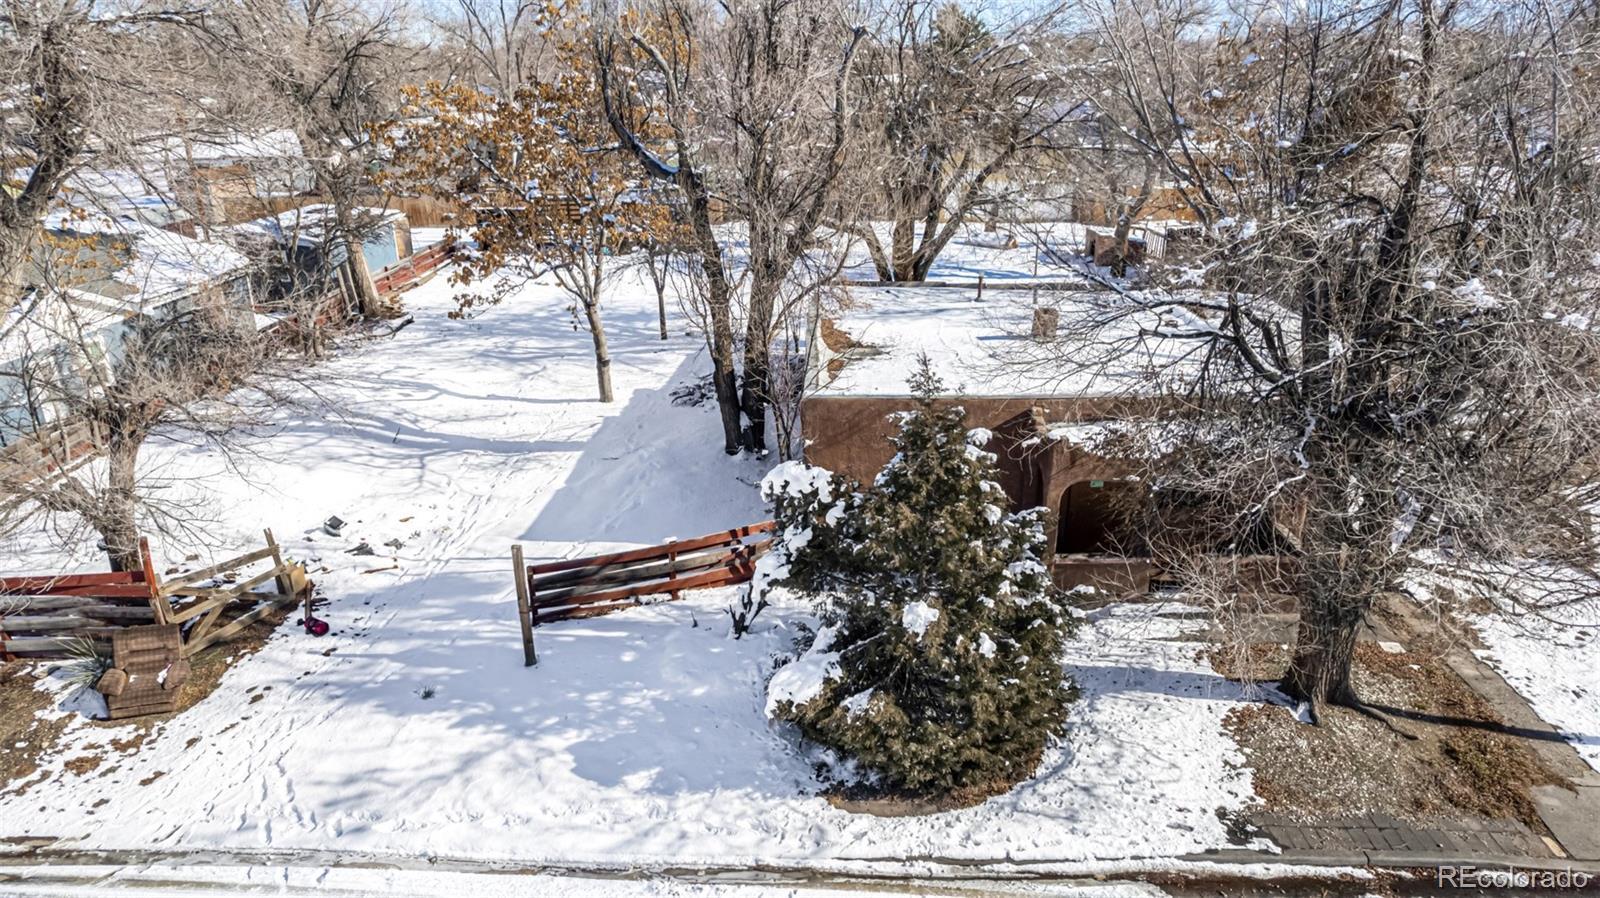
(1038, 419)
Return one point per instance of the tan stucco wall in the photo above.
(850, 435)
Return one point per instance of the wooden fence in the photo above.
(46, 455)
(50, 616)
(600, 584)
(412, 270)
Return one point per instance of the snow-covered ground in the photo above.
(640, 738)
(975, 253)
(1551, 661)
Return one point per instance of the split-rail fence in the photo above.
(52, 616)
(600, 584)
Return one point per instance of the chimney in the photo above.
(1044, 323)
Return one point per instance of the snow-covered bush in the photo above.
(937, 667)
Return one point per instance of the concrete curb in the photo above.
(1397, 860)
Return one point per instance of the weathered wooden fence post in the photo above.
(160, 607)
(672, 566)
(282, 579)
(524, 609)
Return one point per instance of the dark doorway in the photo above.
(1094, 519)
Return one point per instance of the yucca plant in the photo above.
(86, 662)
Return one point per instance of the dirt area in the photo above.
(1442, 751)
(838, 342)
(863, 798)
(29, 738)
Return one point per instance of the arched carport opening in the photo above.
(1094, 518)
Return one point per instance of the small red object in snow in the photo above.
(315, 626)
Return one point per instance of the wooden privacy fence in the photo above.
(600, 584)
(46, 454)
(52, 616)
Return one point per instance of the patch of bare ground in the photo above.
(1459, 761)
(29, 738)
(24, 735)
(863, 798)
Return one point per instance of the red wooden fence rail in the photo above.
(409, 271)
(600, 584)
(48, 614)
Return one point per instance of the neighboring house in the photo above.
(239, 177)
(124, 258)
(142, 194)
(303, 255)
(90, 279)
(1045, 428)
(70, 340)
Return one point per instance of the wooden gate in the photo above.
(600, 584)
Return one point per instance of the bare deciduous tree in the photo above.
(502, 45)
(755, 106)
(84, 390)
(951, 104)
(1381, 357)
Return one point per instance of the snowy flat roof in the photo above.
(224, 148)
(159, 263)
(306, 224)
(141, 192)
(985, 348)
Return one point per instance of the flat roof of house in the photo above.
(239, 146)
(160, 263)
(306, 224)
(986, 348)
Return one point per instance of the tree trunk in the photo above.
(13, 256)
(753, 401)
(869, 239)
(117, 525)
(661, 305)
(602, 355)
(55, 110)
(902, 253)
(723, 379)
(361, 289)
(1325, 643)
(758, 360)
(719, 307)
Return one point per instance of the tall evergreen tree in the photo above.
(938, 666)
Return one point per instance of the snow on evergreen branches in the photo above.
(937, 668)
